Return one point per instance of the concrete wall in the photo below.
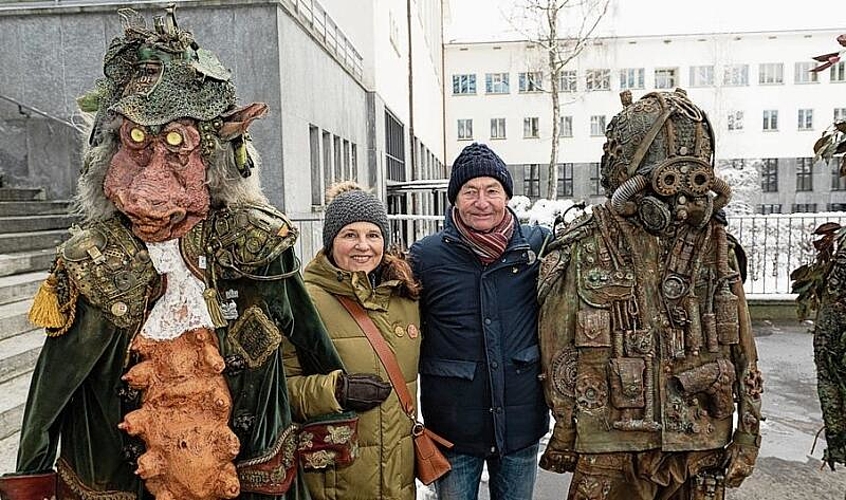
(52, 55)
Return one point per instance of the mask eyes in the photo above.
(174, 138)
(137, 135)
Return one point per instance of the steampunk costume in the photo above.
(821, 286)
(645, 333)
(163, 372)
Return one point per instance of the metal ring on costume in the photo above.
(667, 180)
(699, 180)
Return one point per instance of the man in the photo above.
(645, 333)
(162, 373)
(479, 361)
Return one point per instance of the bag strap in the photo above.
(386, 355)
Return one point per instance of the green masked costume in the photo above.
(166, 106)
(645, 334)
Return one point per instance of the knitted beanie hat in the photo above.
(478, 160)
(348, 203)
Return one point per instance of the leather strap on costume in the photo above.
(389, 361)
(70, 487)
(28, 487)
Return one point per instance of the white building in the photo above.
(764, 104)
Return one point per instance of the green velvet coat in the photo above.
(74, 405)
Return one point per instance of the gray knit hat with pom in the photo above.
(348, 203)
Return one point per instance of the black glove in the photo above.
(361, 391)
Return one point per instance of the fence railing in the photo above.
(774, 244)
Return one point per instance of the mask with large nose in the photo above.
(157, 179)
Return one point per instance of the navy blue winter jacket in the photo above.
(479, 361)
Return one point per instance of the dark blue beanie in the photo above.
(478, 160)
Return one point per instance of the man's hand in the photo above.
(361, 391)
(741, 461)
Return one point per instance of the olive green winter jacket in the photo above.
(384, 468)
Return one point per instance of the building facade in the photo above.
(766, 107)
(354, 91)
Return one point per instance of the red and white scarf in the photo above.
(489, 245)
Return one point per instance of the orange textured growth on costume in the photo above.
(183, 418)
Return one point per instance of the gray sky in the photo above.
(479, 20)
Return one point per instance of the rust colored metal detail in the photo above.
(564, 371)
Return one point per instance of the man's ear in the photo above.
(237, 121)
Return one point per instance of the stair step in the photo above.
(24, 262)
(20, 286)
(27, 223)
(20, 353)
(9, 452)
(13, 208)
(19, 242)
(12, 404)
(22, 194)
(13, 317)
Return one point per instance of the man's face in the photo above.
(158, 179)
(481, 203)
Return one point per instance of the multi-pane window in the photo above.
(394, 148)
(496, 83)
(565, 126)
(497, 128)
(837, 207)
(736, 163)
(735, 120)
(631, 78)
(839, 114)
(531, 180)
(804, 208)
(769, 175)
(803, 74)
(595, 179)
(770, 119)
(702, 76)
(666, 78)
(598, 79)
(465, 129)
(805, 119)
(530, 81)
(837, 73)
(567, 81)
(736, 75)
(771, 74)
(564, 186)
(597, 125)
(531, 129)
(838, 183)
(464, 84)
(804, 174)
(769, 208)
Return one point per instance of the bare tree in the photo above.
(562, 29)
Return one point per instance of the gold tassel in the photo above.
(213, 305)
(45, 311)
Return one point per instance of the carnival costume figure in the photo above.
(645, 334)
(162, 374)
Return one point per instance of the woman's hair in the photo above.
(396, 267)
(226, 185)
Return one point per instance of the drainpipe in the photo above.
(410, 90)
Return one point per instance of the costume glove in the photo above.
(361, 391)
(559, 455)
(741, 461)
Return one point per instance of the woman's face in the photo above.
(358, 247)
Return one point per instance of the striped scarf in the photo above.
(490, 245)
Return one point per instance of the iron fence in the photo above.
(774, 244)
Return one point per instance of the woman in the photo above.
(353, 263)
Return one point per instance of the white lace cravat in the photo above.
(182, 307)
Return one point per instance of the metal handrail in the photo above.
(21, 106)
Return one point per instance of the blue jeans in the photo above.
(512, 476)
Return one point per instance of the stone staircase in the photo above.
(30, 229)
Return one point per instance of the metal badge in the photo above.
(230, 294)
(399, 331)
(413, 331)
(119, 308)
(229, 310)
